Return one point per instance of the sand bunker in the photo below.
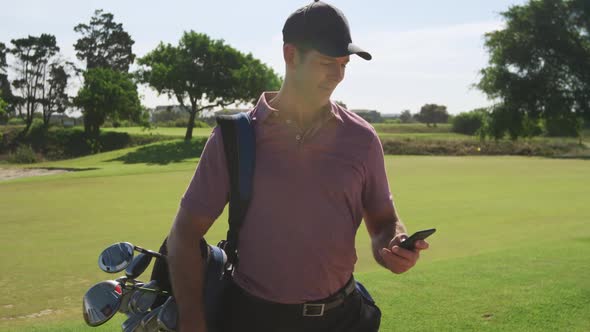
(14, 173)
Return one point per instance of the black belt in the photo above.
(309, 309)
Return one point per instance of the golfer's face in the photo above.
(318, 75)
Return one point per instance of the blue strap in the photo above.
(246, 155)
(239, 143)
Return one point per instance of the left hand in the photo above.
(399, 260)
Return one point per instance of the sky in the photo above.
(423, 51)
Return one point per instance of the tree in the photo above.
(539, 68)
(3, 111)
(55, 98)
(107, 94)
(33, 57)
(6, 93)
(202, 73)
(3, 52)
(433, 113)
(406, 117)
(5, 90)
(104, 43)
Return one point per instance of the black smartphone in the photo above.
(410, 242)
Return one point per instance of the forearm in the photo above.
(186, 273)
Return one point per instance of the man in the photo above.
(319, 171)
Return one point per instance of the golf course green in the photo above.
(512, 250)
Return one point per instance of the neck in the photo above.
(290, 102)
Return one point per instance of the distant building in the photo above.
(169, 108)
(65, 120)
(371, 116)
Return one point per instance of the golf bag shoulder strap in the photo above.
(239, 143)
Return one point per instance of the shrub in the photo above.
(468, 123)
(532, 127)
(73, 143)
(565, 126)
(181, 123)
(24, 154)
(15, 122)
(409, 146)
(201, 124)
(123, 123)
(37, 134)
(112, 140)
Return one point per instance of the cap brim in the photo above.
(336, 51)
(353, 49)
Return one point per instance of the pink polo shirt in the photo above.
(310, 191)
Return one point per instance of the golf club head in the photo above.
(168, 316)
(138, 265)
(150, 321)
(116, 257)
(125, 299)
(142, 300)
(133, 324)
(101, 302)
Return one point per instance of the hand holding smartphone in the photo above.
(410, 242)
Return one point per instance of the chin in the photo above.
(326, 93)
(324, 98)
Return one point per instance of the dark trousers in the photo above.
(243, 314)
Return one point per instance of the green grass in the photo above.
(164, 131)
(425, 136)
(511, 251)
(386, 131)
(411, 128)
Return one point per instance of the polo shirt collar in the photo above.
(263, 110)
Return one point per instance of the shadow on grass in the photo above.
(165, 153)
(580, 157)
(70, 169)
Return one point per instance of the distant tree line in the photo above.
(429, 114)
(201, 73)
(538, 75)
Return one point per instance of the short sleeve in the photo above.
(208, 191)
(376, 195)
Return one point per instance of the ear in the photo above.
(289, 54)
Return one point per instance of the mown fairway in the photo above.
(412, 131)
(164, 131)
(511, 252)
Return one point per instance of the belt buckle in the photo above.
(314, 308)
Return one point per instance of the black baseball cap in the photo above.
(324, 28)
